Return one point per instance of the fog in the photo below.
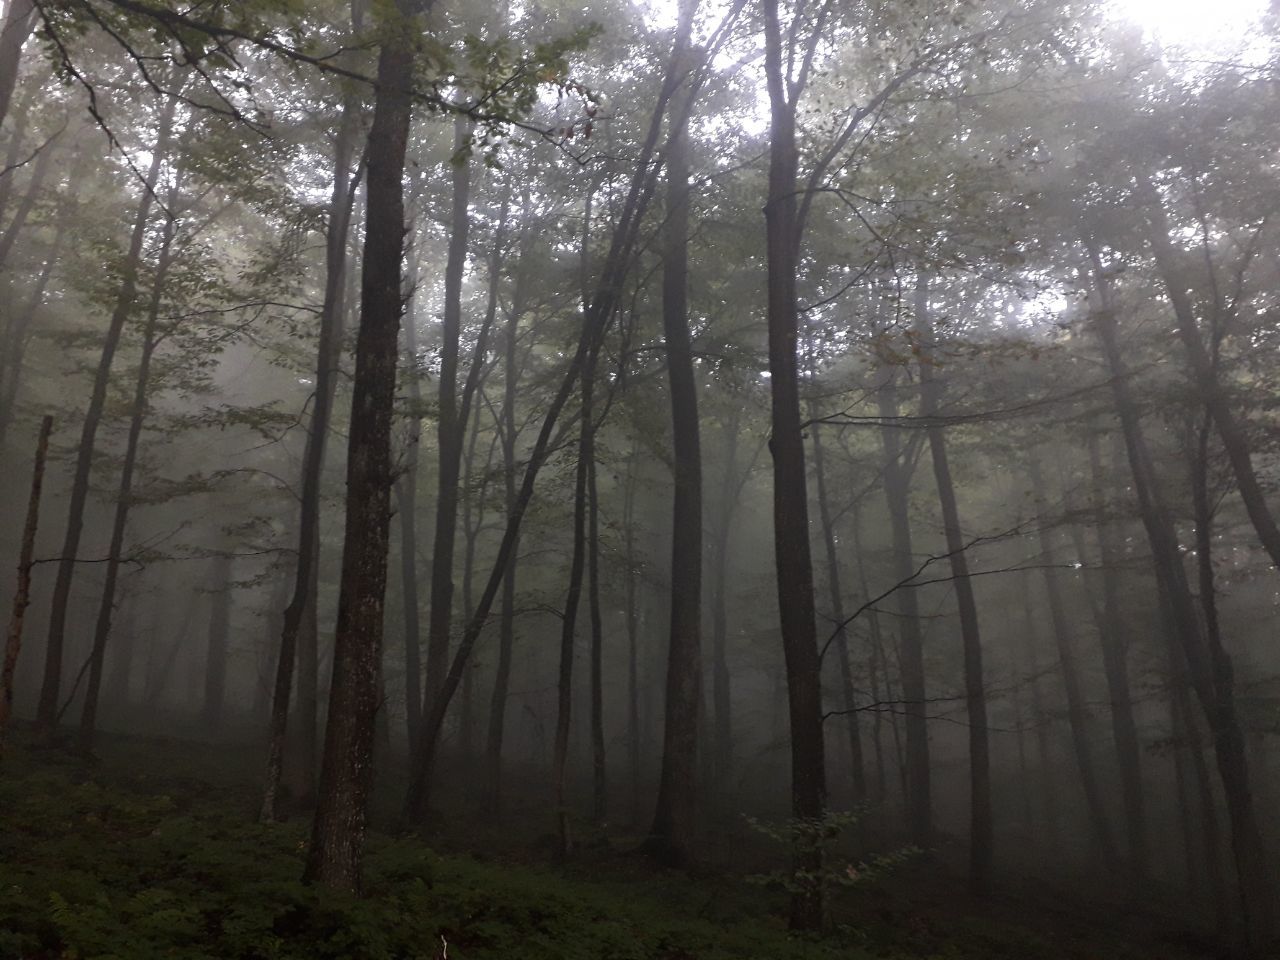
(817, 448)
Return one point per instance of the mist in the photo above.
(789, 478)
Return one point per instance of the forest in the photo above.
(639, 479)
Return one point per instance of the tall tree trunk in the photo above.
(721, 681)
(450, 428)
(407, 505)
(1039, 714)
(17, 26)
(299, 633)
(337, 837)
(568, 622)
(836, 598)
(603, 306)
(47, 709)
(790, 497)
(1209, 665)
(506, 623)
(1115, 657)
(671, 835)
(215, 664)
(632, 614)
(897, 491)
(877, 667)
(599, 780)
(22, 593)
(981, 838)
(1077, 708)
(124, 492)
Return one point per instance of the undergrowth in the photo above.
(116, 868)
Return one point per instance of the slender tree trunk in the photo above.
(1209, 666)
(1115, 657)
(215, 664)
(47, 710)
(1077, 708)
(337, 837)
(599, 315)
(790, 498)
(22, 594)
(17, 26)
(633, 631)
(506, 624)
(877, 667)
(671, 835)
(1039, 714)
(568, 623)
(897, 493)
(836, 595)
(721, 682)
(124, 493)
(981, 839)
(407, 504)
(450, 428)
(299, 634)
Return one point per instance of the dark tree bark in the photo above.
(22, 593)
(877, 665)
(47, 709)
(981, 834)
(790, 496)
(299, 633)
(124, 492)
(599, 779)
(1077, 707)
(633, 630)
(338, 831)
(671, 834)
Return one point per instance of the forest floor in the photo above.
(151, 852)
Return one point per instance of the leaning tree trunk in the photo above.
(1209, 666)
(47, 709)
(124, 493)
(981, 839)
(790, 496)
(32, 195)
(337, 837)
(22, 594)
(671, 834)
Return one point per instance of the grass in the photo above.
(124, 860)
